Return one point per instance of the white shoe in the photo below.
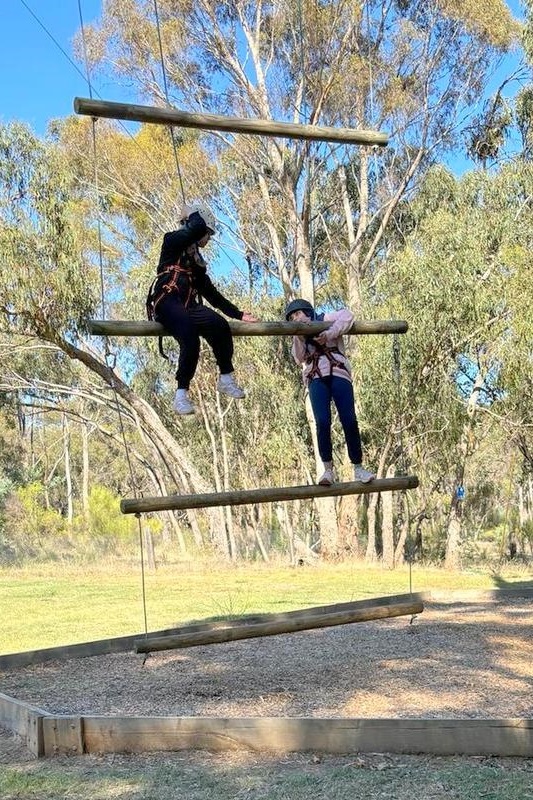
(362, 474)
(182, 404)
(328, 478)
(228, 385)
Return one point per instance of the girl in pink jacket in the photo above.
(327, 374)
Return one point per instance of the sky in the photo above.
(38, 83)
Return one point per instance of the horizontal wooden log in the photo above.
(216, 122)
(274, 627)
(99, 327)
(281, 616)
(473, 737)
(242, 497)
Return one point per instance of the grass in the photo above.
(198, 776)
(50, 605)
(45, 606)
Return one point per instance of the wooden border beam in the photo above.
(288, 623)
(23, 720)
(492, 737)
(99, 327)
(241, 497)
(215, 122)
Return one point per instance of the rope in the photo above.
(110, 357)
(397, 379)
(307, 145)
(165, 85)
(91, 89)
(371, 81)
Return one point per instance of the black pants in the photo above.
(187, 325)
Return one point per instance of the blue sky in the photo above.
(38, 83)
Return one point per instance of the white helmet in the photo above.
(204, 211)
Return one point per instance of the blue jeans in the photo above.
(321, 392)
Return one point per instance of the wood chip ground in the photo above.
(455, 660)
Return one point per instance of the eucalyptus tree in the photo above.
(311, 219)
(461, 281)
(414, 68)
(47, 292)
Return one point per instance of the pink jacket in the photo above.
(309, 357)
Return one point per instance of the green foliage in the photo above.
(106, 526)
(44, 283)
(32, 530)
(454, 261)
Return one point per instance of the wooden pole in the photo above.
(216, 122)
(241, 497)
(277, 626)
(98, 327)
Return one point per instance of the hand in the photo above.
(322, 338)
(247, 317)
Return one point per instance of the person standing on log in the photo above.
(327, 374)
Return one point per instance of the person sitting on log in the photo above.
(327, 374)
(175, 300)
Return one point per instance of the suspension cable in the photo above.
(110, 357)
(165, 85)
(92, 90)
(396, 348)
(307, 145)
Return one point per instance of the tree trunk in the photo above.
(399, 553)
(159, 485)
(348, 516)
(85, 470)
(170, 450)
(68, 474)
(230, 531)
(371, 554)
(465, 449)
(221, 533)
(327, 515)
(387, 524)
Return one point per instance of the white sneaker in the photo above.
(182, 404)
(228, 385)
(362, 474)
(328, 478)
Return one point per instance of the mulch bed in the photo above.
(456, 660)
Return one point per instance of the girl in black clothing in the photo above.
(175, 300)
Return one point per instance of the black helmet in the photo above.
(299, 305)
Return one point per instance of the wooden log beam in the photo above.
(280, 616)
(337, 735)
(208, 626)
(277, 626)
(99, 327)
(240, 497)
(215, 122)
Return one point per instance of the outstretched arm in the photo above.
(217, 299)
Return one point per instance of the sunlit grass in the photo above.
(208, 777)
(52, 605)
